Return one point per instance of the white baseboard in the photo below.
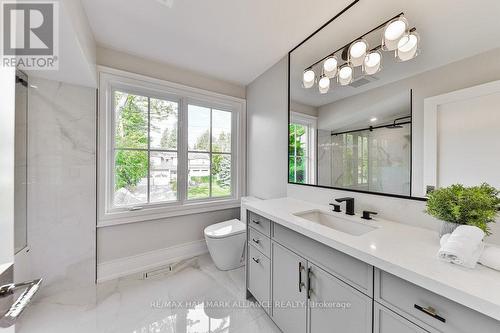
(143, 262)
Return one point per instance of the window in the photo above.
(298, 151)
(145, 149)
(209, 152)
(166, 149)
(301, 152)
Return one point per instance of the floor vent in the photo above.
(172, 268)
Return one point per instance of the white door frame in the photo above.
(431, 108)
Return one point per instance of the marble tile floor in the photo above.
(196, 298)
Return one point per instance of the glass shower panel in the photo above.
(20, 175)
(375, 161)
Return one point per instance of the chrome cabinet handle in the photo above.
(9, 318)
(256, 260)
(301, 284)
(255, 240)
(430, 311)
(256, 222)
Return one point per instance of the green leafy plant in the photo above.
(296, 150)
(477, 205)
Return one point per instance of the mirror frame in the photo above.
(399, 196)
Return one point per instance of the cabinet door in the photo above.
(289, 290)
(335, 306)
(259, 276)
(386, 321)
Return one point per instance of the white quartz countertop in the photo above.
(402, 250)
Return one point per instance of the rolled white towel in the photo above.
(490, 257)
(444, 239)
(463, 247)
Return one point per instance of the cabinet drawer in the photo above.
(260, 242)
(353, 271)
(386, 321)
(259, 276)
(412, 302)
(259, 223)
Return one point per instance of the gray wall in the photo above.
(163, 71)
(267, 133)
(135, 238)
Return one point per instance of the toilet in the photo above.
(226, 243)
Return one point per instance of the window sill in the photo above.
(149, 214)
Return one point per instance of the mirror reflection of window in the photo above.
(302, 146)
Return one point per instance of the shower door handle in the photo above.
(10, 317)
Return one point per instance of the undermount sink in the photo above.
(335, 222)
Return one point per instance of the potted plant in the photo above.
(457, 204)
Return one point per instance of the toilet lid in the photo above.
(225, 229)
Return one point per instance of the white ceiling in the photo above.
(233, 40)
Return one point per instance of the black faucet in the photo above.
(349, 205)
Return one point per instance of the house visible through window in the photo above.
(301, 143)
(145, 149)
(146, 156)
(209, 152)
(298, 154)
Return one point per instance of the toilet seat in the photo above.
(225, 229)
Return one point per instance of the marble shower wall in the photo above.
(62, 183)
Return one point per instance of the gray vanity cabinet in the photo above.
(308, 287)
(429, 310)
(311, 287)
(289, 290)
(386, 321)
(334, 306)
(305, 295)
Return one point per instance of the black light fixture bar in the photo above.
(371, 128)
(362, 36)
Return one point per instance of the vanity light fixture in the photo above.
(408, 46)
(393, 32)
(372, 62)
(345, 75)
(324, 84)
(357, 52)
(397, 37)
(308, 78)
(330, 66)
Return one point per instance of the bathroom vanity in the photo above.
(314, 270)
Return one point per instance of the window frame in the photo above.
(210, 152)
(111, 80)
(311, 123)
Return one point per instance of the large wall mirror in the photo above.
(397, 98)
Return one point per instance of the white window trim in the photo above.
(311, 122)
(110, 79)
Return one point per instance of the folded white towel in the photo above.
(463, 247)
(490, 257)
